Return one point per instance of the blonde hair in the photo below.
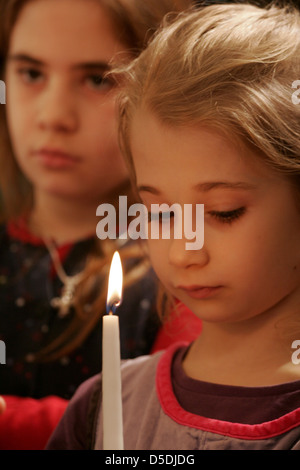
(134, 23)
(230, 67)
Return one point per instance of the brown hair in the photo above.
(135, 21)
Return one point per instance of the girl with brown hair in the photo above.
(59, 160)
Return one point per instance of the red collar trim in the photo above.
(18, 230)
(173, 409)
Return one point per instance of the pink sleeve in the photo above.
(27, 423)
(182, 326)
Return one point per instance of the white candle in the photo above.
(111, 363)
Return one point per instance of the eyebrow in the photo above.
(207, 186)
(81, 66)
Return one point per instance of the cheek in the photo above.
(12, 111)
(15, 99)
(267, 267)
(158, 257)
(19, 120)
(103, 132)
(16, 132)
(104, 115)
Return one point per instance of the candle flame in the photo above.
(115, 283)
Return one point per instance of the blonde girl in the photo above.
(207, 118)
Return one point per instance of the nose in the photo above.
(57, 107)
(182, 257)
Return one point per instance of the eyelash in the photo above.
(95, 81)
(225, 217)
(160, 216)
(228, 217)
(100, 81)
(29, 74)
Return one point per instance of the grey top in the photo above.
(154, 419)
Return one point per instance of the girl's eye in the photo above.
(99, 82)
(160, 217)
(227, 217)
(30, 75)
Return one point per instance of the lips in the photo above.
(199, 292)
(55, 158)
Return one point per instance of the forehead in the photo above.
(181, 151)
(177, 163)
(78, 29)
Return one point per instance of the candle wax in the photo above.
(111, 385)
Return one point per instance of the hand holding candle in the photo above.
(111, 365)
